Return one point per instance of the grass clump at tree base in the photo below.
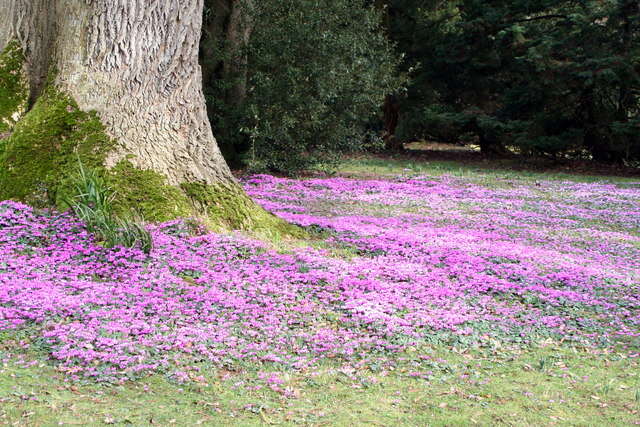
(93, 204)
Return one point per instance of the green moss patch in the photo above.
(227, 206)
(14, 86)
(146, 193)
(42, 152)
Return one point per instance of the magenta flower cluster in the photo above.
(404, 261)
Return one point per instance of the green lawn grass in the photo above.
(494, 173)
(553, 384)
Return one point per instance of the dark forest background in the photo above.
(294, 84)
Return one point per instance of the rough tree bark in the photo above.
(5, 29)
(129, 69)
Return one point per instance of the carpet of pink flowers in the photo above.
(403, 261)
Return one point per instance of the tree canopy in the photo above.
(544, 77)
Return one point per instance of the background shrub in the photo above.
(314, 74)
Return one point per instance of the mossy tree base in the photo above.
(116, 110)
(227, 206)
(41, 154)
(40, 158)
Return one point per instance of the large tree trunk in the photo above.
(135, 64)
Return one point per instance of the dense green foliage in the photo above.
(543, 77)
(294, 83)
(313, 75)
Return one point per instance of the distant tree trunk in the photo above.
(489, 146)
(596, 139)
(239, 30)
(391, 106)
(135, 64)
(391, 112)
(628, 14)
(227, 31)
(213, 34)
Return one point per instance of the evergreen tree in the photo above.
(542, 77)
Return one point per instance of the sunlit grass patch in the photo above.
(543, 386)
(492, 173)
